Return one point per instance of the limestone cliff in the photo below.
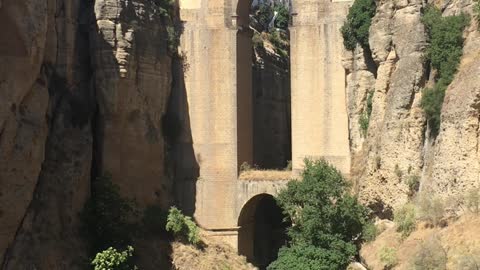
(83, 88)
(397, 145)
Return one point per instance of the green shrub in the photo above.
(359, 18)
(280, 44)
(289, 166)
(182, 226)
(388, 256)
(405, 219)
(165, 7)
(263, 14)
(430, 256)
(283, 16)
(370, 232)
(364, 120)
(154, 219)
(413, 183)
(106, 215)
(245, 167)
(444, 52)
(476, 11)
(326, 220)
(472, 200)
(398, 172)
(468, 262)
(309, 257)
(173, 40)
(432, 102)
(111, 259)
(257, 40)
(431, 209)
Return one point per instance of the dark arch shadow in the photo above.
(262, 230)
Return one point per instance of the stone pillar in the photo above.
(218, 88)
(319, 111)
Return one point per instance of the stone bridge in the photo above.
(216, 43)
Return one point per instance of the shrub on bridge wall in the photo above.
(326, 220)
(356, 27)
(444, 52)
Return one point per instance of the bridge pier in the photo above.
(217, 46)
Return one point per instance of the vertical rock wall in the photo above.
(83, 88)
(397, 146)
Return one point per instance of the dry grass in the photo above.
(215, 256)
(265, 175)
(459, 239)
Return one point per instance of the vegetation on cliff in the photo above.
(356, 27)
(327, 220)
(476, 11)
(444, 52)
(364, 120)
(183, 227)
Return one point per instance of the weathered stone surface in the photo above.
(48, 237)
(49, 133)
(392, 151)
(455, 166)
(23, 108)
(133, 81)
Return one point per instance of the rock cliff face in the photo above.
(271, 109)
(82, 93)
(397, 146)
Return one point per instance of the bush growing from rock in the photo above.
(431, 209)
(472, 200)
(388, 256)
(370, 232)
(413, 183)
(430, 256)
(405, 219)
(112, 259)
(183, 227)
(356, 27)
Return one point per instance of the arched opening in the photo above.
(263, 82)
(262, 230)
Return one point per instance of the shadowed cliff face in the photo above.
(397, 146)
(271, 109)
(83, 88)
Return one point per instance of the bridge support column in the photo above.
(218, 88)
(319, 109)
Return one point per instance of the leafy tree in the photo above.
(326, 220)
(264, 15)
(359, 18)
(106, 216)
(112, 259)
(283, 16)
(305, 257)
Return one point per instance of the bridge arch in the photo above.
(262, 230)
